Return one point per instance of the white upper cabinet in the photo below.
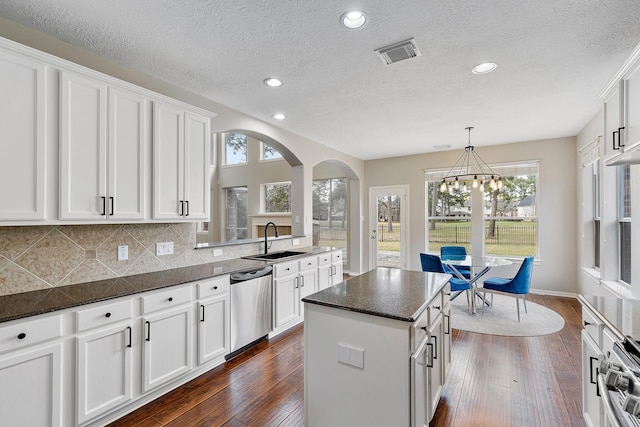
(622, 114)
(22, 163)
(181, 147)
(103, 137)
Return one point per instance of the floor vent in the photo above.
(398, 51)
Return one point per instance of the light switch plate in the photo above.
(123, 253)
(164, 248)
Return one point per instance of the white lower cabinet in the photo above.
(31, 385)
(35, 392)
(330, 270)
(167, 346)
(214, 333)
(292, 281)
(104, 371)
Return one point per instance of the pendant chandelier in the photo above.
(470, 168)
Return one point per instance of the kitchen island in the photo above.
(377, 349)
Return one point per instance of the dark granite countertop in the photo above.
(386, 292)
(17, 306)
(621, 315)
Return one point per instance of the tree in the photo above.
(278, 197)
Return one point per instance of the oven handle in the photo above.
(609, 411)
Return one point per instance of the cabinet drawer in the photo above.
(592, 325)
(213, 287)
(29, 332)
(336, 256)
(324, 259)
(166, 299)
(285, 268)
(101, 315)
(308, 263)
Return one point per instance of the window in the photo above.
(277, 197)
(236, 213)
(270, 153)
(448, 217)
(330, 213)
(624, 221)
(510, 214)
(235, 149)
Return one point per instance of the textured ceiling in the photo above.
(554, 57)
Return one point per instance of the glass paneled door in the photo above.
(388, 232)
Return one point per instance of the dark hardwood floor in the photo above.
(494, 381)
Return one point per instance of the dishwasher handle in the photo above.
(243, 276)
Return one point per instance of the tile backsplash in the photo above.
(41, 257)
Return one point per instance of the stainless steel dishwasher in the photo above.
(251, 306)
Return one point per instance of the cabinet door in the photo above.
(167, 346)
(197, 166)
(336, 273)
(436, 372)
(286, 299)
(633, 107)
(446, 340)
(590, 400)
(213, 328)
(127, 145)
(103, 371)
(168, 161)
(22, 81)
(83, 103)
(325, 277)
(307, 284)
(613, 109)
(34, 395)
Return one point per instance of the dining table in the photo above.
(480, 265)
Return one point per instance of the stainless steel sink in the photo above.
(274, 255)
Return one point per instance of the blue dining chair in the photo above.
(433, 264)
(518, 285)
(455, 253)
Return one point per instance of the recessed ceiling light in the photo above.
(484, 68)
(273, 82)
(353, 19)
(279, 116)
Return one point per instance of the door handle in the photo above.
(620, 144)
(148, 331)
(591, 380)
(181, 207)
(104, 206)
(202, 319)
(130, 341)
(111, 202)
(613, 138)
(187, 203)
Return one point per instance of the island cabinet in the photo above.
(375, 349)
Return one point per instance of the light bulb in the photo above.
(456, 184)
(443, 186)
(499, 183)
(481, 187)
(475, 181)
(464, 187)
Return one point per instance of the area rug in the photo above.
(502, 318)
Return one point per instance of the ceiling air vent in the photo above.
(398, 51)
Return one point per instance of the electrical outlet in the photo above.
(295, 242)
(217, 252)
(164, 248)
(123, 253)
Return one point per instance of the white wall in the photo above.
(555, 269)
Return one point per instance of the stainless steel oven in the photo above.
(619, 384)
